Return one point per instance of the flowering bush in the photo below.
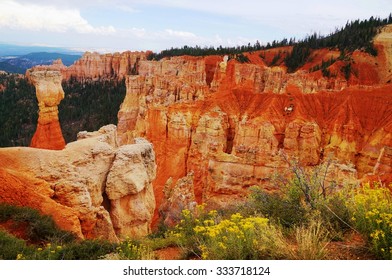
(129, 250)
(371, 210)
(184, 233)
(235, 238)
(238, 238)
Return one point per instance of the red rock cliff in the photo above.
(227, 123)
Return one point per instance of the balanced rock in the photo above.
(49, 93)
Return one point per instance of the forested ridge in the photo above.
(18, 110)
(355, 35)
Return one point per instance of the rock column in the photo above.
(49, 94)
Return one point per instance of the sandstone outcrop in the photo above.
(129, 183)
(104, 66)
(177, 198)
(92, 187)
(383, 43)
(49, 94)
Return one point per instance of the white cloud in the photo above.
(137, 32)
(157, 40)
(267, 7)
(160, 24)
(180, 34)
(46, 18)
(126, 8)
(298, 17)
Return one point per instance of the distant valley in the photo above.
(17, 59)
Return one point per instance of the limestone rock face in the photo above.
(49, 95)
(259, 78)
(177, 198)
(383, 43)
(23, 190)
(129, 188)
(159, 83)
(302, 140)
(112, 66)
(384, 162)
(89, 181)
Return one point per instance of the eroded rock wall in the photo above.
(228, 124)
(104, 66)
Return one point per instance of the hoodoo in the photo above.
(49, 95)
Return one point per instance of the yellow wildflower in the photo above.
(221, 245)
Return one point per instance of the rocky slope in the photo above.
(92, 187)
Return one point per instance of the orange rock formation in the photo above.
(49, 95)
(227, 123)
(95, 66)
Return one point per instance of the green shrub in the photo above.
(40, 228)
(238, 238)
(12, 248)
(6, 212)
(335, 213)
(184, 232)
(156, 243)
(86, 250)
(56, 244)
(286, 210)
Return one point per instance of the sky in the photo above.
(119, 25)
